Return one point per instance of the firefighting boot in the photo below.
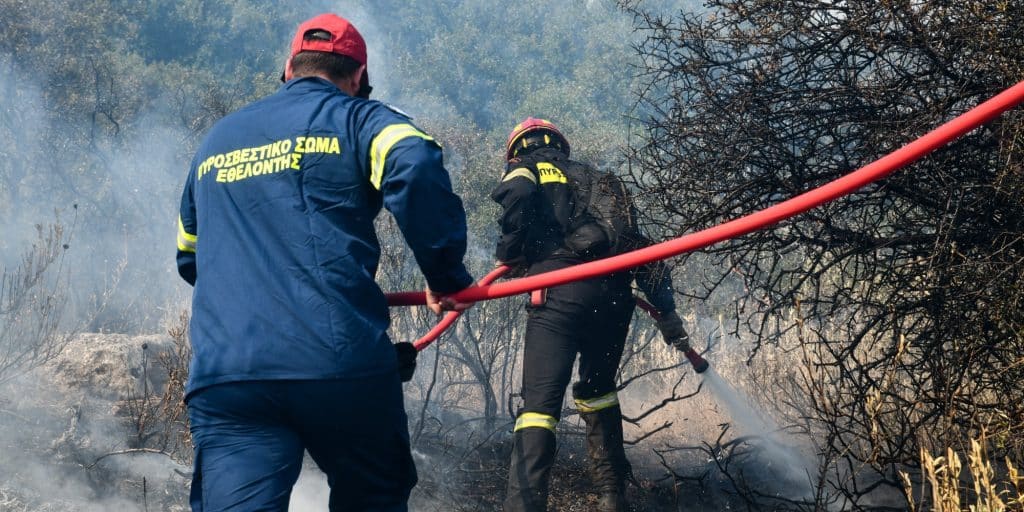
(533, 454)
(609, 466)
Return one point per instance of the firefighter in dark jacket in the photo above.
(589, 318)
(276, 234)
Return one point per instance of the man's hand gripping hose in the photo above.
(406, 352)
(452, 315)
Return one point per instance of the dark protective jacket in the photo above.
(538, 209)
(276, 233)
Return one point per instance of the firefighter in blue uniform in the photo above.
(590, 318)
(276, 233)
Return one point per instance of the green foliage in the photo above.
(107, 77)
(499, 63)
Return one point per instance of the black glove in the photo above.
(516, 268)
(672, 331)
(406, 354)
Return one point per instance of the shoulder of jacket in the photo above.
(518, 169)
(397, 110)
(374, 109)
(579, 164)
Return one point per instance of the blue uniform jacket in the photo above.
(276, 234)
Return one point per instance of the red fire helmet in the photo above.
(546, 132)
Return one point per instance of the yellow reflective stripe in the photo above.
(535, 420)
(550, 174)
(521, 172)
(596, 404)
(186, 240)
(382, 144)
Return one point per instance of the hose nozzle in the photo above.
(700, 365)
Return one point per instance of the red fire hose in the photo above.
(452, 316)
(698, 362)
(869, 173)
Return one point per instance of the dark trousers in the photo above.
(589, 319)
(249, 439)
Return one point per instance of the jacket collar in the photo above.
(310, 83)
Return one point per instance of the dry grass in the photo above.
(951, 491)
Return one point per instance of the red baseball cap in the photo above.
(345, 40)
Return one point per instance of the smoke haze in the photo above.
(100, 143)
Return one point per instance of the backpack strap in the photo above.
(583, 183)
